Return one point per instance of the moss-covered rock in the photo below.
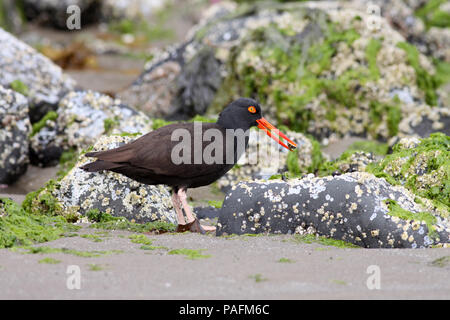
(422, 166)
(315, 67)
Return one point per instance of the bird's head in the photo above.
(245, 113)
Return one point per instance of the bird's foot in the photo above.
(195, 226)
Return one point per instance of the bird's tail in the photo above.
(100, 165)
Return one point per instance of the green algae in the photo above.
(95, 267)
(285, 260)
(141, 29)
(19, 227)
(49, 261)
(441, 262)
(128, 134)
(42, 201)
(310, 238)
(67, 161)
(109, 124)
(78, 253)
(108, 222)
(432, 16)
(442, 75)
(158, 123)
(95, 215)
(19, 87)
(49, 116)
(140, 238)
(215, 203)
(292, 161)
(191, 254)
(339, 282)
(92, 237)
(326, 168)
(396, 210)
(379, 112)
(425, 81)
(148, 247)
(370, 146)
(258, 277)
(371, 56)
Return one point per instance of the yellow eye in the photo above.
(252, 109)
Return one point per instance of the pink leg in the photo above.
(187, 210)
(177, 206)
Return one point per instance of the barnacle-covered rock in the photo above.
(46, 145)
(14, 130)
(36, 76)
(84, 116)
(424, 120)
(130, 9)
(265, 158)
(55, 14)
(357, 161)
(423, 167)
(356, 207)
(80, 191)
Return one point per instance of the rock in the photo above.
(197, 84)
(54, 12)
(265, 158)
(315, 66)
(84, 116)
(47, 145)
(355, 207)
(109, 192)
(357, 161)
(38, 78)
(14, 130)
(153, 92)
(422, 166)
(424, 120)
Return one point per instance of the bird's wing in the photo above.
(153, 152)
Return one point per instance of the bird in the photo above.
(159, 158)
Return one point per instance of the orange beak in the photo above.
(275, 134)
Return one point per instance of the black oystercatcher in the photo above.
(206, 152)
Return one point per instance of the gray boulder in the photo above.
(84, 116)
(54, 12)
(81, 119)
(41, 80)
(356, 207)
(46, 145)
(14, 130)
